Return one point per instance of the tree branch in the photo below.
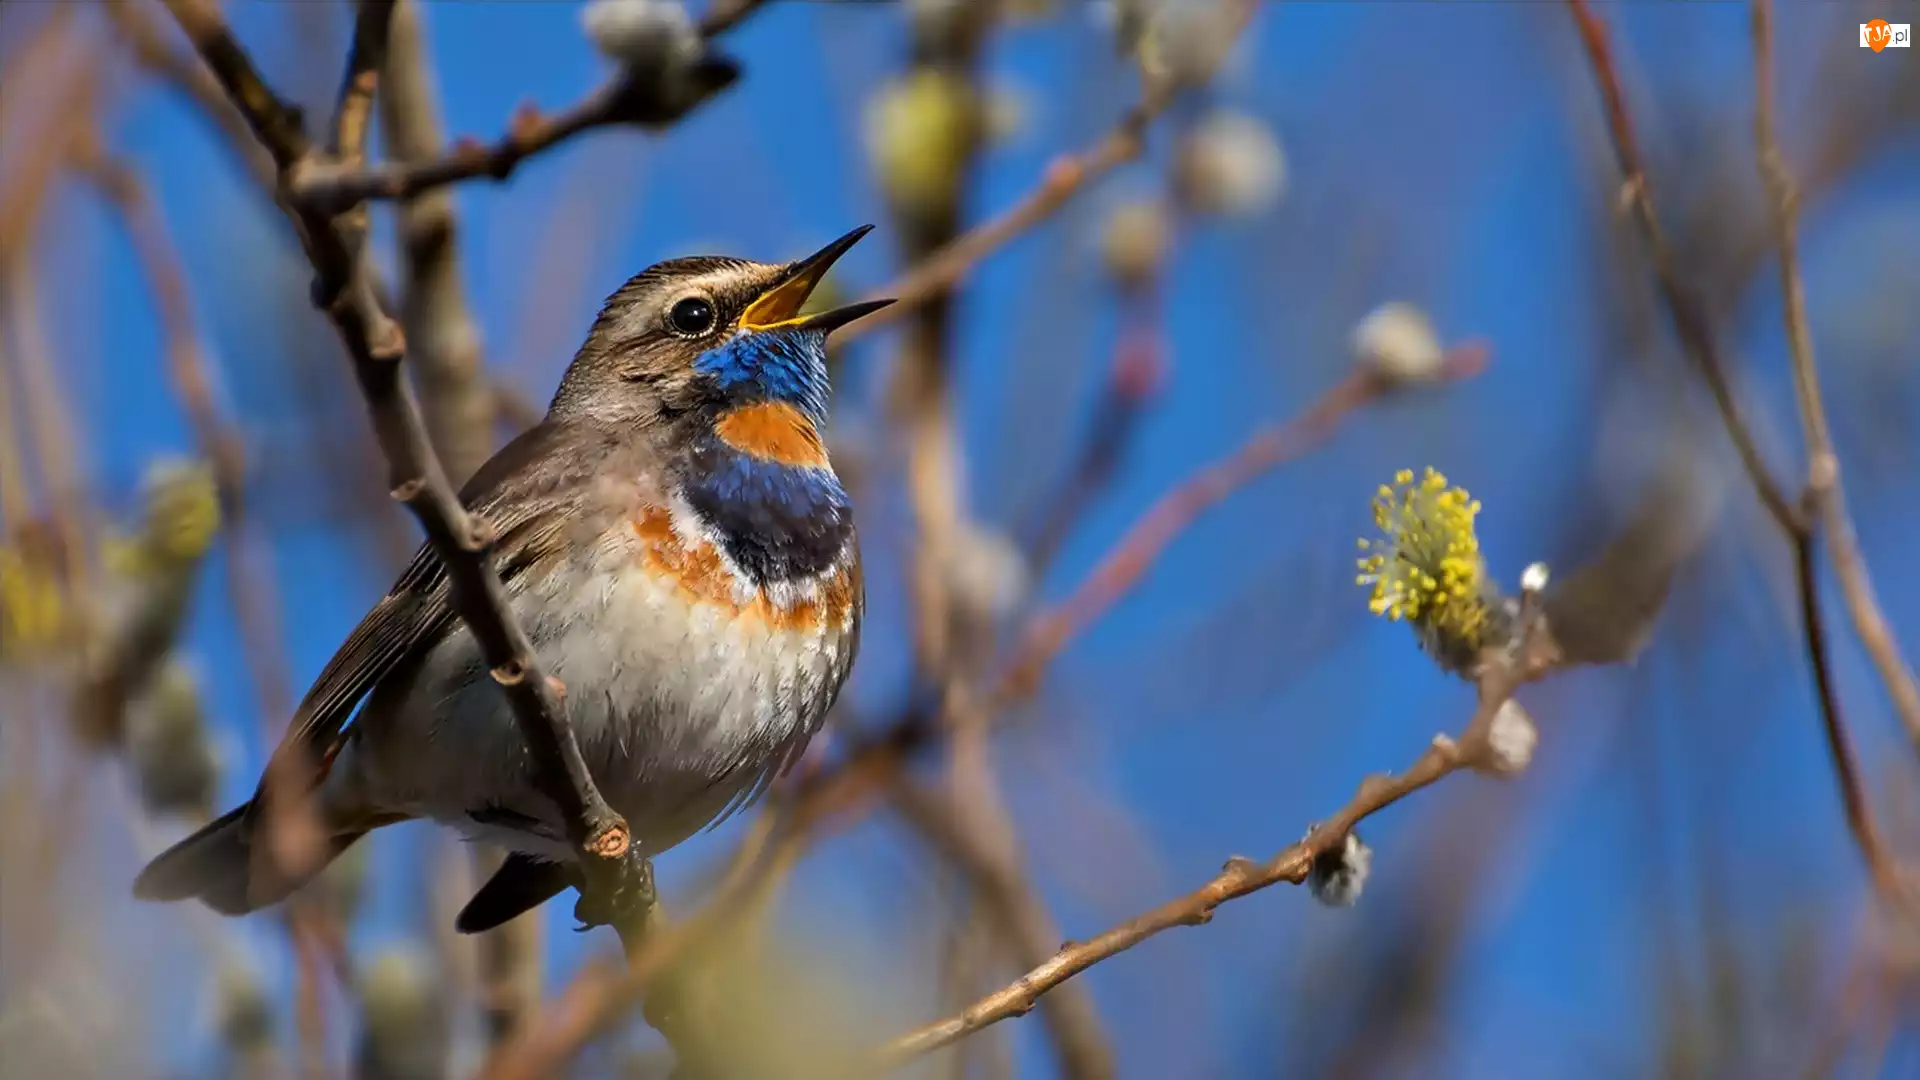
(1533, 657)
(251, 590)
(1828, 500)
(1128, 561)
(376, 347)
(1795, 521)
(631, 97)
(1064, 177)
(1690, 321)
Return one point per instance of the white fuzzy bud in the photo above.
(644, 35)
(918, 132)
(168, 746)
(1338, 876)
(244, 1015)
(1135, 241)
(1398, 341)
(1534, 578)
(1511, 738)
(1179, 43)
(1231, 164)
(986, 572)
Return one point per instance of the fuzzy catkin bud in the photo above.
(1178, 43)
(1397, 341)
(1340, 874)
(244, 1016)
(919, 130)
(1229, 163)
(986, 572)
(168, 745)
(405, 1032)
(1135, 242)
(642, 35)
(1511, 739)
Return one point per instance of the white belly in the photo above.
(681, 704)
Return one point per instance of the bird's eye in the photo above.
(692, 316)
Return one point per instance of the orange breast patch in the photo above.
(700, 576)
(772, 430)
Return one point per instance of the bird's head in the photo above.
(712, 339)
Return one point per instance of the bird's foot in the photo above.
(617, 893)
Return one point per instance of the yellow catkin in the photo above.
(1425, 567)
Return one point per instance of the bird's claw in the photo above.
(618, 893)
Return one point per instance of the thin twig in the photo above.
(1129, 560)
(1795, 521)
(1690, 321)
(1846, 763)
(328, 188)
(977, 838)
(153, 51)
(1828, 497)
(629, 98)
(1063, 178)
(442, 335)
(250, 588)
(375, 345)
(1533, 658)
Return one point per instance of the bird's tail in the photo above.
(220, 866)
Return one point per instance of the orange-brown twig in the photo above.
(1129, 560)
(1534, 657)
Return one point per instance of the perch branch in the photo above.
(809, 808)
(376, 347)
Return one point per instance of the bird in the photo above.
(674, 540)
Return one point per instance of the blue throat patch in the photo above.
(778, 522)
(787, 366)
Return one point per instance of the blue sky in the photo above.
(1448, 154)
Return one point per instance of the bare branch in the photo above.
(1503, 673)
(376, 347)
(970, 829)
(250, 588)
(1130, 559)
(1690, 320)
(631, 97)
(1695, 333)
(1828, 500)
(1065, 177)
(153, 52)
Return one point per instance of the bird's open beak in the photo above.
(779, 306)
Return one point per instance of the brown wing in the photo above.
(524, 492)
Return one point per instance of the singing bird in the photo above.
(674, 540)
